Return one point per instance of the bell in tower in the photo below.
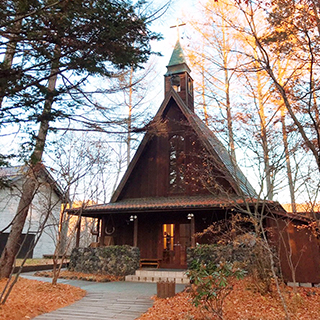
(175, 82)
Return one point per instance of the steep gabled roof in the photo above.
(213, 143)
(214, 147)
(15, 173)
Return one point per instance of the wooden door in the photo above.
(176, 238)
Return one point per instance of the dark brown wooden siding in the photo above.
(305, 254)
(150, 176)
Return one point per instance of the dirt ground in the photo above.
(30, 298)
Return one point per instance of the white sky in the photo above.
(177, 10)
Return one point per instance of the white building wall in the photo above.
(8, 205)
(46, 205)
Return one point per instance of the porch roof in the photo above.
(166, 204)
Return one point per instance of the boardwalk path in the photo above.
(112, 300)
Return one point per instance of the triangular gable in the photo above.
(139, 151)
(231, 171)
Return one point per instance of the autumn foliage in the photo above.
(30, 298)
(243, 303)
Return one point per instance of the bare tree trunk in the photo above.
(229, 117)
(29, 187)
(203, 95)
(264, 138)
(227, 93)
(10, 51)
(288, 164)
(203, 86)
(264, 141)
(129, 118)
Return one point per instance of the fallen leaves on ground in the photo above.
(81, 276)
(30, 298)
(243, 303)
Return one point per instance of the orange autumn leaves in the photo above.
(30, 298)
(243, 303)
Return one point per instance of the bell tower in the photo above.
(178, 77)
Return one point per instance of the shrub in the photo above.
(211, 284)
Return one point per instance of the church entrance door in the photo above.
(176, 239)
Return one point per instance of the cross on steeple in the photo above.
(177, 26)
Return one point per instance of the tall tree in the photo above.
(293, 30)
(57, 48)
(135, 97)
(232, 49)
(216, 61)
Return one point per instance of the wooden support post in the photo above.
(78, 232)
(99, 231)
(135, 232)
(102, 234)
(78, 227)
(166, 289)
(193, 231)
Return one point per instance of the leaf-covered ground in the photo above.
(81, 276)
(243, 303)
(30, 298)
(37, 262)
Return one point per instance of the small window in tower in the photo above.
(175, 82)
(177, 164)
(190, 87)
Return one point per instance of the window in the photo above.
(190, 86)
(177, 164)
(175, 82)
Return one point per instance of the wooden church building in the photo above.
(180, 180)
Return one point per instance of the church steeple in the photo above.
(178, 76)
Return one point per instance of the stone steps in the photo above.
(156, 275)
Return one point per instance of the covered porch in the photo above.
(162, 228)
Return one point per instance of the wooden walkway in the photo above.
(111, 300)
(102, 305)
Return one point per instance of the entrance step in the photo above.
(156, 275)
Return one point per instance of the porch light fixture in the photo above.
(132, 218)
(190, 216)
